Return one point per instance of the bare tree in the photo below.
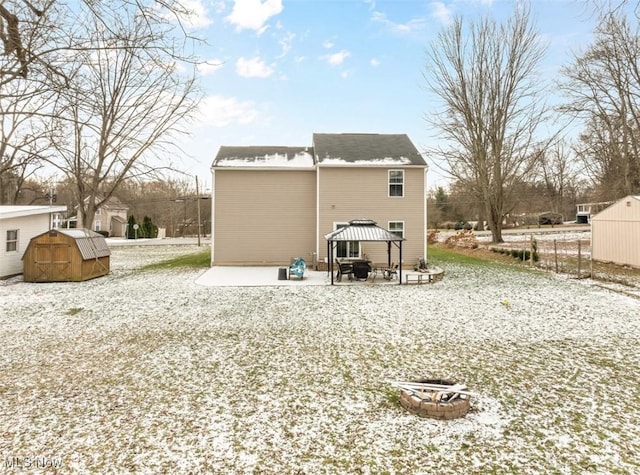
(24, 141)
(557, 178)
(603, 86)
(491, 106)
(123, 105)
(23, 20)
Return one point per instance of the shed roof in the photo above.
(362, 230)
(369, 149)
(625, 209)
(264, 156)
(90, 244)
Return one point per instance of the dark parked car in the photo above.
(462, 225)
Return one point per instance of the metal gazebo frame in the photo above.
(364, 230)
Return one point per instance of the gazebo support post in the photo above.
(330, 257)
(400, 264)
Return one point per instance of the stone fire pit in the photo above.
(435, 398)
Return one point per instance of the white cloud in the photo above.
(374, 62)
(253, 14)
(442, 13)
(336, 59)
(285, 42)
(413, 25)
(190, 13)
(220, 111)
(328, 44)
(210, 67)
(253, 68)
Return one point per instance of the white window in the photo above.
(98, 211)
(97, 225)
(396, 183)
(346, 249)
(397, 228)
(12, 240)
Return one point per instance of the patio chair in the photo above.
(297, 268)
(390, 272)
(344, 268)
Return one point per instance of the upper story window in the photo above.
(12, 240)
(98, 211)
(396, 182)
(397, 228)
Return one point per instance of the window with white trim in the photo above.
(97, 225)
(98, 211)
(12, 240)
(396, 183)
(397, 228)
(345, 249)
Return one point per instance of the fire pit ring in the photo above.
(430, 398)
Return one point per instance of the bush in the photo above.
(520, 254)
(131, 232)
(104, 233)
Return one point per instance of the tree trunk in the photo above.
(495, 224)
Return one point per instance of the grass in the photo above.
(442, 255)
(198, 260)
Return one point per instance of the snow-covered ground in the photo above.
(148, 372)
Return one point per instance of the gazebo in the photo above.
(368, 231)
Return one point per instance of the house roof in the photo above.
(7, 212)
(369, 149)
(113, 202)
(328, 149)
(362, 230)
(264, 156)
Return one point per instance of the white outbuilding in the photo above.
(615, 233)
(18, 224)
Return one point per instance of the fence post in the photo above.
(531, 250)
(579, 258)
(555, 253)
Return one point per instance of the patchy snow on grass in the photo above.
(144, 371)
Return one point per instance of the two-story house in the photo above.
(111, 216)
(271, 204)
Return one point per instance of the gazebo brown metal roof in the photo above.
(364, 230)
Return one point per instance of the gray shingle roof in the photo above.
(387, 149)
(263, 156)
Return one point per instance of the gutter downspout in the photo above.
(318, 216)
(213, 215)
(424, 212)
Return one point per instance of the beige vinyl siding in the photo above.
(348, 193)
(263, 217)
(615, 233)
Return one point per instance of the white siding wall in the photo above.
(28, 227)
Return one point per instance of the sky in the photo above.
(278, 71)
